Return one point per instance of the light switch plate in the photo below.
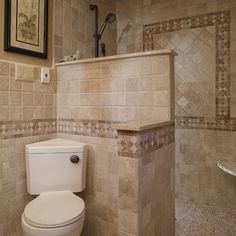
(45, 75)
(24, 73)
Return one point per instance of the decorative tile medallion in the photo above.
(135, 144)
(18, 129)
(221, 21)
(96, 128)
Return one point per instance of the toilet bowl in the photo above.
(55, 170)
(59, 213)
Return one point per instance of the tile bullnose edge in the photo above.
(139, 126)
(120, 56)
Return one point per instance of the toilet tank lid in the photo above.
(56, 146)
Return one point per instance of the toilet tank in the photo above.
(56, 165)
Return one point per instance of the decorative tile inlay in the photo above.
(195, 69)
(135, 144)
(206, 123)
(221, 22)
(97, 128)
(18, 129)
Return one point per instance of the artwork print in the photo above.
(26, 26)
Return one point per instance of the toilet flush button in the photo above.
(74, 159)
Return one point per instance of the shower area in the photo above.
(203, 33)
(205, 123)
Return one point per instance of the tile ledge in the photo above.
(120, 56)
(141, 125)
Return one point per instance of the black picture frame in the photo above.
(7, 33)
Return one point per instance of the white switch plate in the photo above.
(45, 75)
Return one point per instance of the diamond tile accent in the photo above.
(96, 128)
(198, 33)
(135, 144)
(206, 123)
(183, 102)
(18, 129)
(195, 68)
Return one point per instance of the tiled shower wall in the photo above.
(206, 124)
(197, 177)
(135, 88)
(75, 26)
(92, 97)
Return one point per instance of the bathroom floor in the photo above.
(193, 219)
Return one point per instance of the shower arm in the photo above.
(99, 34)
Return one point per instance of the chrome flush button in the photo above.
(74, 159)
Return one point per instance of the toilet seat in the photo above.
(54, 209)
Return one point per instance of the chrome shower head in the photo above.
(111, 17)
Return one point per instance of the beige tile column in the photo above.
(146, 179)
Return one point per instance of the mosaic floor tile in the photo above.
(193, 219)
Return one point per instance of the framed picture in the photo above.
(26, 27)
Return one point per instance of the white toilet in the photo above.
(55, 169)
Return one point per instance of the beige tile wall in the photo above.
(197, 177)
(74, 27)
(158, 192)
(147, 193)
(101, 194)
(27, 101)
(21, 100)
(20, 103)
(13, 193)
(195, 73)
(196, 149)
(117, 90)
(127, 196)
(133, 14)
(121, 90)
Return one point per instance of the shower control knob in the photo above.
(74, 159)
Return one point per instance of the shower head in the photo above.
(111, 17)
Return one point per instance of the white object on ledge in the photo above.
(74, 57)
(228, 167)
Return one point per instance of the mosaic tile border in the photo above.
(222, 22)
(18, 129)
(206, 123)
(95, 128)
(135, 144)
